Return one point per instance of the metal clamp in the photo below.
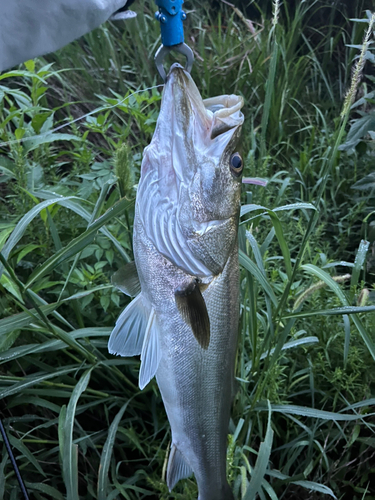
(163, 51)
(171, 17)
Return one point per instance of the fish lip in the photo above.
(214, 111)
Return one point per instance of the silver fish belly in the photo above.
(184, 321)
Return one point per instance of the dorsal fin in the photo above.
(126, 279)
(128, 335)
(151, 353)
(177, 468)
(192, 307)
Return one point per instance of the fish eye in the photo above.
(236, 164)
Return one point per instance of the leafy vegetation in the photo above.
(73, 128)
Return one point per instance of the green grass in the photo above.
(302, 421)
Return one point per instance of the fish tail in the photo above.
(225, 493)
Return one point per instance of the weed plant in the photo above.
(73, 128)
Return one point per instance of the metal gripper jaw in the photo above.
(162, 52)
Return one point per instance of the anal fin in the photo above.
(151, 353)
(177, 468)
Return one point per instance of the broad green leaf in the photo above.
(358, 130)
(367, 182)
(7, 172)
(26, 250)
(21, 73)
(4, 235)
(31, 143)
(12, 287)
(7, 340)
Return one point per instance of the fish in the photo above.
(183, 321)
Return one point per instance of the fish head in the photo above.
(198, 169)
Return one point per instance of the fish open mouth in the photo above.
(216, 114)
(224, 105)
(226, 113)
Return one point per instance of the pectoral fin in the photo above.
(177, 468)
(193, 310)
(126, 279)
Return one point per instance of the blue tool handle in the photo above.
(171, 17)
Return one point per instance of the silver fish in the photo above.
(184, 319)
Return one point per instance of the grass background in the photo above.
(73, 128)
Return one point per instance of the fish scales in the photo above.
(186, 256)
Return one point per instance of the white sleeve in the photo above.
(31, 28)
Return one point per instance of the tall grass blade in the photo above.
(70, 456)
(309, 485)
(359, 261)
(253, 269)
(313, 413)
(20, 446)
(32, 380)
(46, 489)
(347, 337)
(105, 458)
(261, 464)
(331, 312)
(270, 85)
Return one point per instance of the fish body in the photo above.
(184, 321)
